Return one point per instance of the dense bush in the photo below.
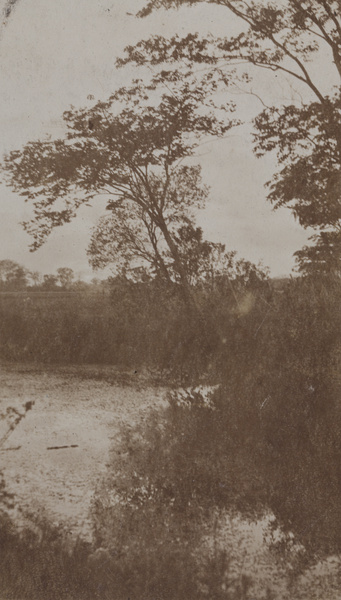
(37, 563)
(147, 554)
(270, 438)
(298, 393)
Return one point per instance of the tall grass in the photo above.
(136, 325)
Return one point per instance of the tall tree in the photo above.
(280, 38)
(129, 149)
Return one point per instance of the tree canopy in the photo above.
(131, 147)
(280, 38)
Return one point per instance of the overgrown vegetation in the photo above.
(132, 324)
(270, 436)
(150, 558)
(268, 439)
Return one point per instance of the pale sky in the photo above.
(54, 54)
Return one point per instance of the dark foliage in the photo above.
(148, 555)
(270, 436)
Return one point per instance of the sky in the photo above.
(57, 53)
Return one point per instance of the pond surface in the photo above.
(54, 459)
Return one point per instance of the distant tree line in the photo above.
(15, 277)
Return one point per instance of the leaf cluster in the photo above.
(123, 148)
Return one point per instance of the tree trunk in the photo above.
(185, 287)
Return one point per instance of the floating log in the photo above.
(61, 447)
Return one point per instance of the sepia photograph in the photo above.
(170, 287)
